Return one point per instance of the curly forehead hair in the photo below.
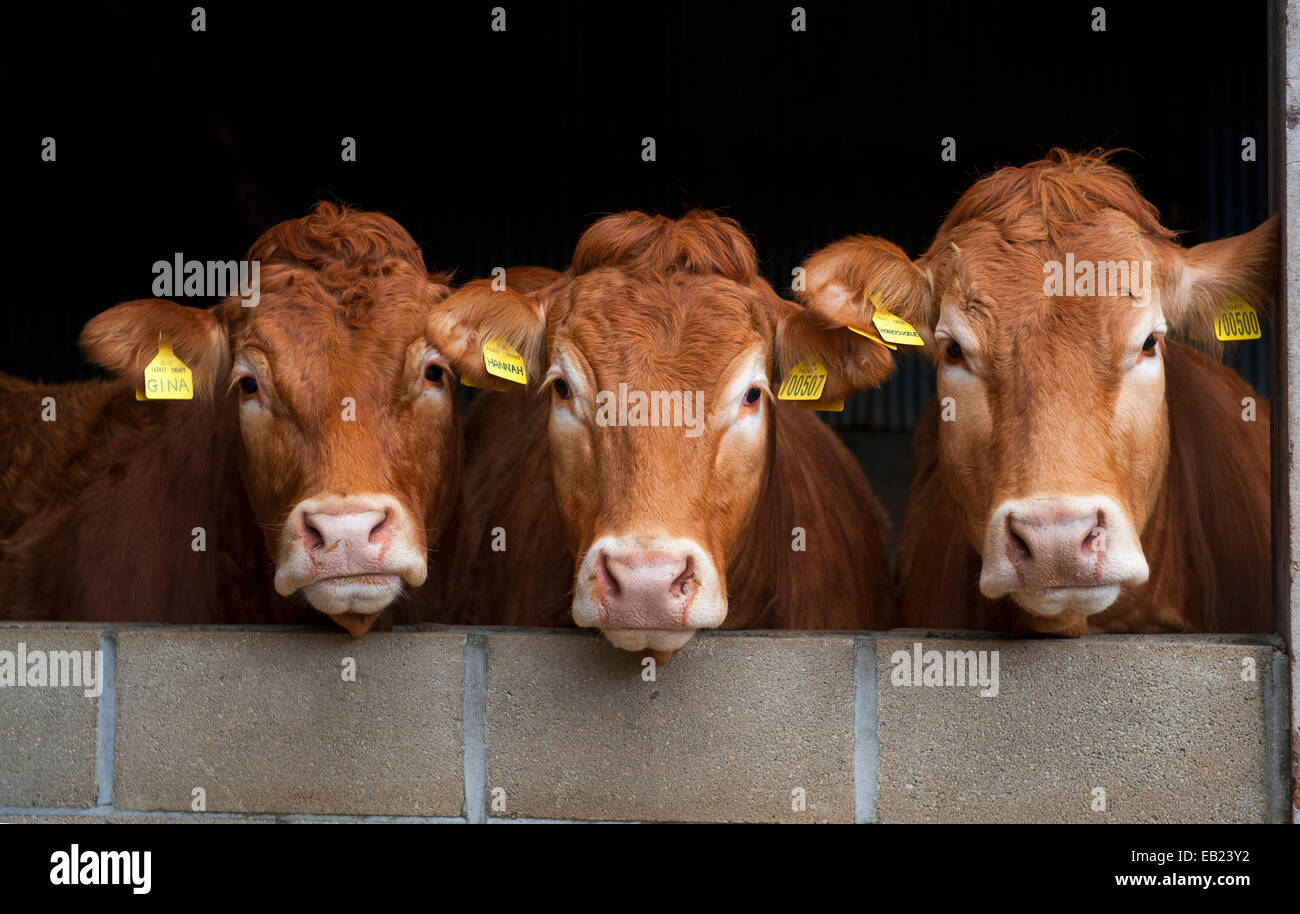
(1044, 200)
(700, 242)
(347, 255)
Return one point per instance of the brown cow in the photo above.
(320, 416)
(1094, 475)
(726, 508)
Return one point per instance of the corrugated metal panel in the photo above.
(804, 139)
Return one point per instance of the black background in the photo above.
(935, 864)
(498, 148)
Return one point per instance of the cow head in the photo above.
(349, 426)
(658, 355)
(1048, 293)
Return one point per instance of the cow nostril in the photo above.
(1095, 541)
(1016, 543)
(383, 522)
(315, 539)
(608, 582)
(683, 582)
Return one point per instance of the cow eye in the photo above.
(752, 395)
(433, 372)
(561, 388)
(1149, 347)
(953, 351)
(248, 385)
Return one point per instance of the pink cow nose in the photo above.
(646, 589)
(349, 543)
(1051, 549)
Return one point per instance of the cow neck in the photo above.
(194, 447)
(753, 566)
(191, 450)
(434, 601)
(1208, 535)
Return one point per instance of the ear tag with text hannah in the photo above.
(504, 361)
(167, 377)
(805, 382)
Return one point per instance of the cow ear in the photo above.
(853, 362)
(842, 287)
(842, 280)
(485, 311)
(1208, 276)
(124, 339)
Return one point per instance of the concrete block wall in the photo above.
(486, 725)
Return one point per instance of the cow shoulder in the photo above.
(35, 446)
(55, 440)
(110, 495)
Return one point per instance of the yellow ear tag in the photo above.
(504, 361)
(829, 406)
(465, 379)
(805, 382)
(1237, 321)
(139, 394)
(167, 377)
(872, 336)
(893, 329)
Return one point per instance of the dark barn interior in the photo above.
(497, 148)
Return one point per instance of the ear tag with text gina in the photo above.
(167, 377)
(872, 336)
(504, 361)
(805, 382)
(1237, 321)
(893, 329)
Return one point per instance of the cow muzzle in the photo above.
(648, 593)
(350, 556)
(1055, 555)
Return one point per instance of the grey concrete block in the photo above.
(1168, 728)
(47, 733)
(110, 819)
(265, 722)
(730, 729)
